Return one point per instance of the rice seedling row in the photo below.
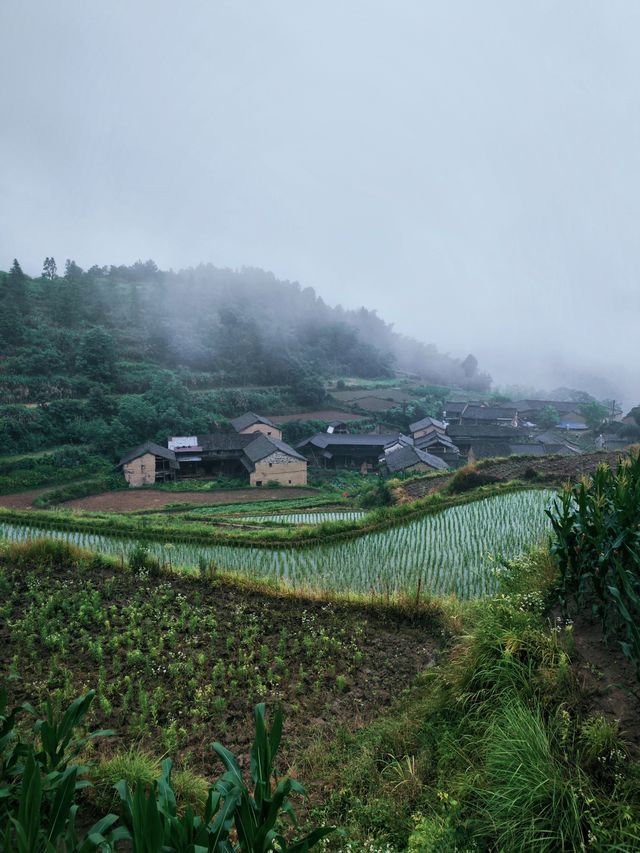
(305, 517)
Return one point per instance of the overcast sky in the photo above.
(470, 169)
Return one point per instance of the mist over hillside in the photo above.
(241, 327)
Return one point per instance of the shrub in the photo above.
(467, 478)
(142, 562)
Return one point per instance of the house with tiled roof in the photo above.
(149, 463)
(410, 459)
(250, 422)
(259, 457)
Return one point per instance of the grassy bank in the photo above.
(495, 748)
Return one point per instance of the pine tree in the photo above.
(49, 269)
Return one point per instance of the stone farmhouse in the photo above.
(410, 459)
(259, 455)
(250, 423)
(149, 463)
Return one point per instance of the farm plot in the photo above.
(179, 661)
(453, 551)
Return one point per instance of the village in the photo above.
(253, 448)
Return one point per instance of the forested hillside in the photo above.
(111, 355)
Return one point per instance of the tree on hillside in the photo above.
(548, 417)
(49, 269)
(594, 413)
(97, 355)
(14, 306)
(470, 366)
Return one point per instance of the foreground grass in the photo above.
(490, 750)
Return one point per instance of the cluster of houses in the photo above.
(254, 450)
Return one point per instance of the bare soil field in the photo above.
(606, 678)
(127, 501)
(22, 500)
(317, 415)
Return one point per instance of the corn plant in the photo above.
(597, 545)
(237, 819)
(38, 786)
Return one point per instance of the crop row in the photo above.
(304, 517)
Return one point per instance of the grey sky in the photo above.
(470, 169)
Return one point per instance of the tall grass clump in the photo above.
(529, 801)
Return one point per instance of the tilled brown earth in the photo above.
(608, 681)
(179, 662)
(126, 501)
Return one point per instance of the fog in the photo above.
(469, 170)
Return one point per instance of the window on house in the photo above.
(258, 482)
(270, 464)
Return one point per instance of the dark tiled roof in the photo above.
(263, 445)
(561, 406)
(219, 441)
(406, 457)
(454, 407)
(148, 447)
(488, 413)
(326, 439)
(249, 419)
(425, 422)
(435, 438)
(465, 431)
(487, 449)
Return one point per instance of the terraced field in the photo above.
(453, 551)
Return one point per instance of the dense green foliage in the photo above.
(62, 465)
(40, 780)
(113, 356)
(597, 528)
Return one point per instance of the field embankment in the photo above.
(551, 470)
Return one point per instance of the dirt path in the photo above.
(126, 501)
(607, 678)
